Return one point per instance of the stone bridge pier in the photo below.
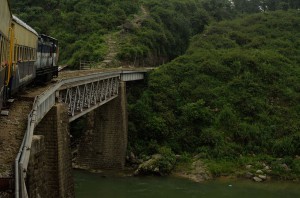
(104, 142)
(50, 167)
(103, 146)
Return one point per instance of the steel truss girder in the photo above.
(84, 97)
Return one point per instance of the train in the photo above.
(25, 55)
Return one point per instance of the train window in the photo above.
(33, 54)
(15, 53)
(19, 53)
(1, 50)
(4, 54)
(22, 53)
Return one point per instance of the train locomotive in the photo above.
(24, 54)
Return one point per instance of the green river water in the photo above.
(91, 185)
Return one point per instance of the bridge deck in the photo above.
(13, 126)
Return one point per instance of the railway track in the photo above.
(13, 126)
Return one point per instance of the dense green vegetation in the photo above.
(79, 25)
(149, 32)
(164, 33)
(231, 94)
(234, 93)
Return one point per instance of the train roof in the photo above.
(9, 7)
(44, 36)
(23, 24)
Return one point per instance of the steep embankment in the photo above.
(115, 40)
(233, 98)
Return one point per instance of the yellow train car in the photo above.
(5, 21)
(24, 54)
(5, 16)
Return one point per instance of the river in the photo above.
(92, 185)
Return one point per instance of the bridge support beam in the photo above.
(105, 141)
(57, 166)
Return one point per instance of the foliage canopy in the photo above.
(234, 92)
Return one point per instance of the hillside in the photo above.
(233, 95)
(144, 32)
(81, 26)
(231, 91)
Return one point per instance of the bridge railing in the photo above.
(44, 102)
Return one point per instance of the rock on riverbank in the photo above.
(196, 172)
(156, 165)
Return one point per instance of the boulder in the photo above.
(259, 172)
(197, 172)
(249, 175)
(285, 167)
(132, 156)
(156, 165)
(263, 177)
(257, 179)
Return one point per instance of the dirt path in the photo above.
(112, 40)
(110, 58)
(138, 19)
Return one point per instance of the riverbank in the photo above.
(260, 168)
(198, 168)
